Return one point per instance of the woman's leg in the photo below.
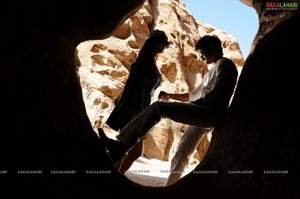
(132, 155)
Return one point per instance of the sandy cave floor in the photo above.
(151, 172)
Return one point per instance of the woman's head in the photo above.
(160, 36)
(158, 40)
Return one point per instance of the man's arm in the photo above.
(180, 97)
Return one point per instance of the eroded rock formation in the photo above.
(105, 65)
(49, 129)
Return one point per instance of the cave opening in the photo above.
(104, 66)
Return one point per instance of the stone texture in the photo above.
(49, 129)
(180, 68)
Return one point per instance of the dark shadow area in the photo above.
(47, 127)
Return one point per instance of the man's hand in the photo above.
(184, 97)
(163, 95)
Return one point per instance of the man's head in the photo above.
(210, 48)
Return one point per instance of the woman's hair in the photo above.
(159, 36)
(155, 38)
(210, 45)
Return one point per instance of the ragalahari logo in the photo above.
(281, 5)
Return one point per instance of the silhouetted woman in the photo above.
(144, 77)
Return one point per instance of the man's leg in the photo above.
(186, 113)
(137, 128)
(186, 146)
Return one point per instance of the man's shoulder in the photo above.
(226, 64)
(226, 60)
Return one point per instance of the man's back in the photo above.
(217, 86)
